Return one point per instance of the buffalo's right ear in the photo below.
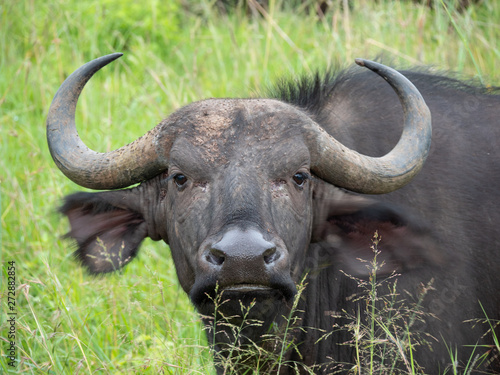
(107, 231)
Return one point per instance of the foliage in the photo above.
(243, 356)
(384, 333)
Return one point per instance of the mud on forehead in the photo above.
(215, 127)
(215, 118)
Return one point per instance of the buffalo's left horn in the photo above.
(369, 175)
(123, 167)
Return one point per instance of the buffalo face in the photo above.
(237, 205)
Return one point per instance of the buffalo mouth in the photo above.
(247, 288)
(256, 301)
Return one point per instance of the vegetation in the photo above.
(382, 331)
(140, 321)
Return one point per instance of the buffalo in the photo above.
(254, 195)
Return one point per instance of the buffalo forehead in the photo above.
(229, 118)
(219, 128)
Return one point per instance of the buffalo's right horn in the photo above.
(135, 162)
(346, 168)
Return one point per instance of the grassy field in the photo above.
(140, 321)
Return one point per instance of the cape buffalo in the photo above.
(253, 194)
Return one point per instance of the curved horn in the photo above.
(347, 168)
(123, 167)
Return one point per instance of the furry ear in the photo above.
(346, 223)
(108, 236)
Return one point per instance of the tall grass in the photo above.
(239, 354)
(383, 332)
(140, 321)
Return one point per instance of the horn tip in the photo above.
(359, 61)
(116, 55)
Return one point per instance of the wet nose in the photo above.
(242, 248)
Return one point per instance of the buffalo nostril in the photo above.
(215, 257)
(271, 255)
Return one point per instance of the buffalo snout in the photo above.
(237, 246)
(242, 263)
(243, 257)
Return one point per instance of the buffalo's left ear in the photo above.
(345, 225)
(108, 232)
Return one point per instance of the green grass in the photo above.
(383, 328)
(141, 321)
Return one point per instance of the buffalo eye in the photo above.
(300, 178)
(180, 180)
